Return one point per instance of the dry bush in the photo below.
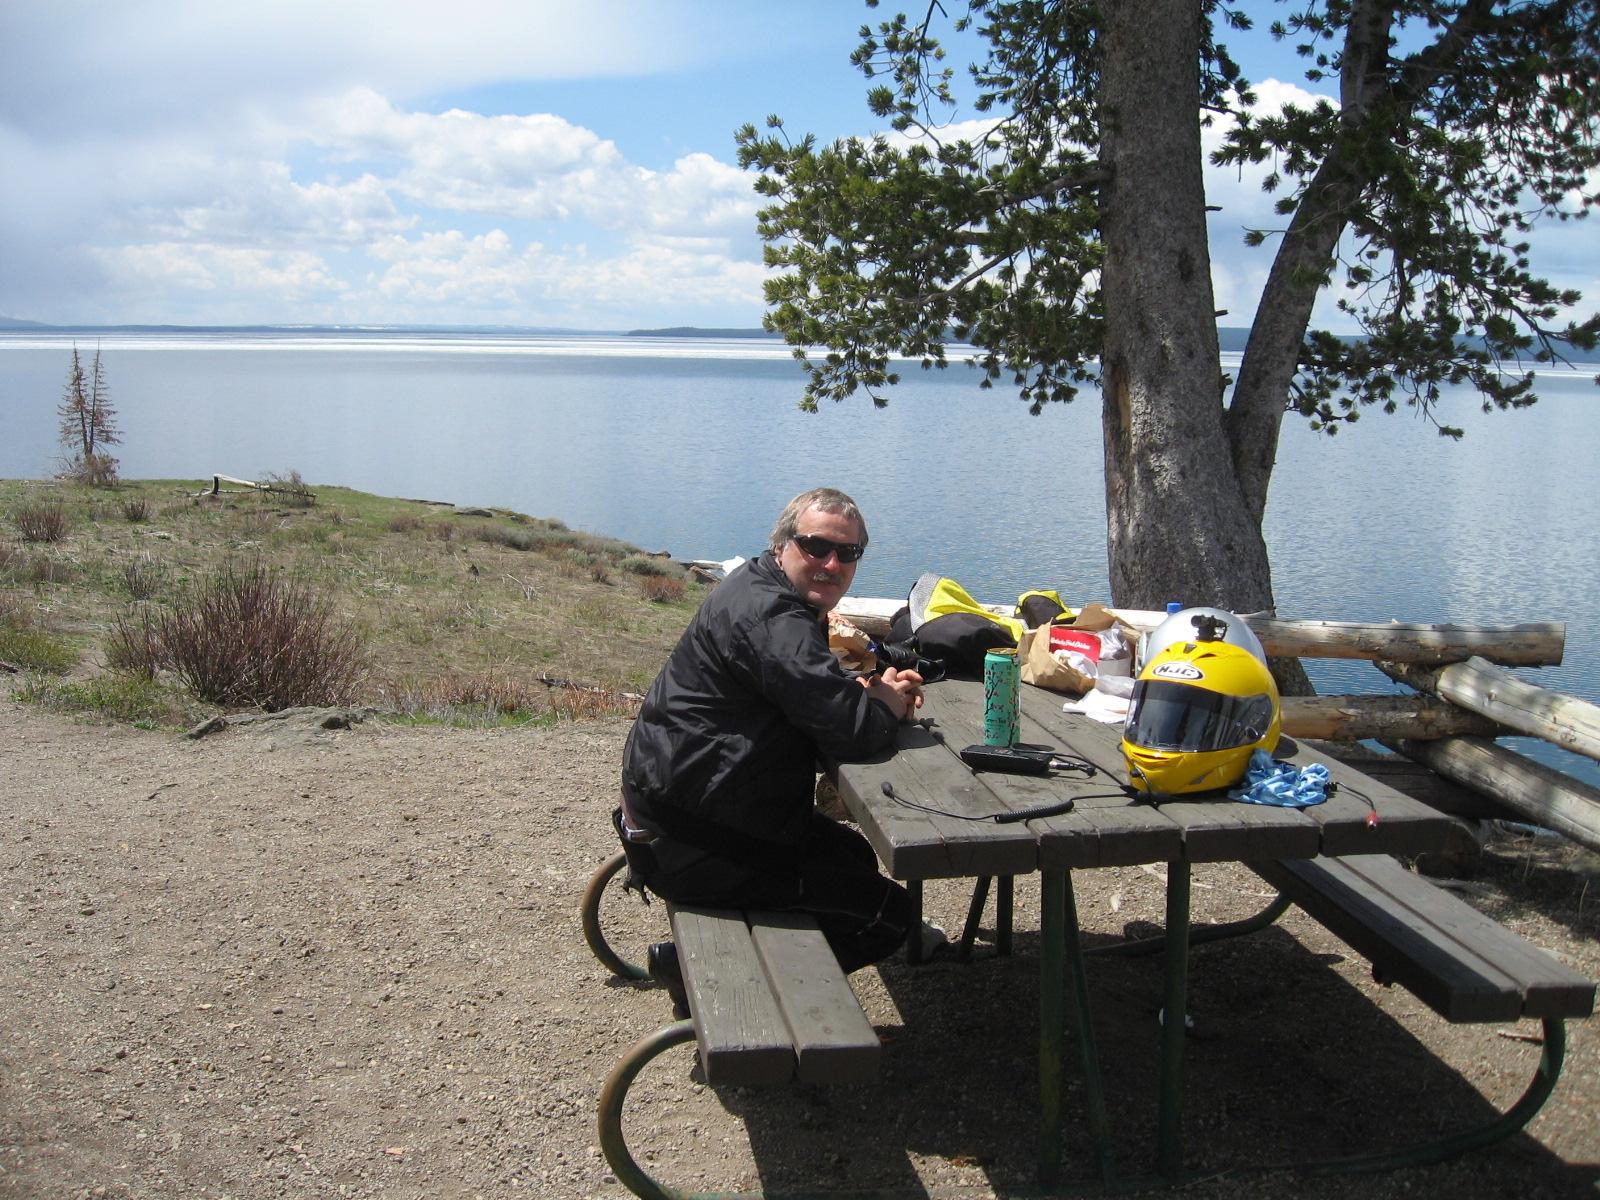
(246, 636)
(405, 523)
(40, 522)
(290, 487)
(662, 589)
(136, 510)
(582, 704)
(95, 470)
(134, 645)
(459, 689)
(506, 696)
(41, 568)
(445, 531)
(16, 612)
(599, 572)
(143, 577)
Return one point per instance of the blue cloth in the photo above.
(1268, 781)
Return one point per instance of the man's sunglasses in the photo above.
(820, 547)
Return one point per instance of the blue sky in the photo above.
(518, 162)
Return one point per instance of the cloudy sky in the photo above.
(523, 162)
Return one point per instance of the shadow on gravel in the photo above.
(1289, 1063)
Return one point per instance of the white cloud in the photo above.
(533, 167)
(261, 202)
(166, 266)
(668, 274)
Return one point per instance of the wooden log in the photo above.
(1539, 644)
(1559, 719)
(1535, 792)
(1358, 718)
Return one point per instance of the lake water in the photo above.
(693, 446)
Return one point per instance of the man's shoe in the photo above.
(663, 964)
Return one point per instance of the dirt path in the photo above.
(281, 963)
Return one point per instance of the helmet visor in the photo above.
(1177, 716)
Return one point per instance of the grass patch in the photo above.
(432, 594)
(36, 650)
(116, 696)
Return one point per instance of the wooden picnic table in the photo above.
(929, 816)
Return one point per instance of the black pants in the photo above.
(834, 878)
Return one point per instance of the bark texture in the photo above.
(1179, 526)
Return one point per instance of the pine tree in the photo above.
(88, 423)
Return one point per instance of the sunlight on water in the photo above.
(693, 446)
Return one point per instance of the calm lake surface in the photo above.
(693, 445)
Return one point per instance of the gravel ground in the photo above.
(278, 962)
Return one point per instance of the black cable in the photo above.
(1003, 818)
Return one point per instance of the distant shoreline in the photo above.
(1231, 339)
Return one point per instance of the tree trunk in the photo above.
(1300, 268)
(1178, 525)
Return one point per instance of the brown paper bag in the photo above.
(1043, 669)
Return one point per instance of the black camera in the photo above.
(903, 656)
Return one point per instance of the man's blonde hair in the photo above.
(829, 500)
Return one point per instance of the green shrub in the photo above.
(35, 650)
(642, 564)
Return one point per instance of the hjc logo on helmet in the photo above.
(1174, 670)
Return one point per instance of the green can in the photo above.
(1002, 697)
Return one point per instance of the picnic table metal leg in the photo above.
(969, 931)
(1004, 896)
(914, 937)
(1169, 1140)
(1062, 952)
(1052, 1019)
(590, 913)
(1003, 900)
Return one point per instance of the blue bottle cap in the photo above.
(1173, 606)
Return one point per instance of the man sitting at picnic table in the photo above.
(719, 774)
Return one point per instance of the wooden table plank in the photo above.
(914, 843)
(833, 1040)
(743, 1037)
(1405, 825)
(1109, 827)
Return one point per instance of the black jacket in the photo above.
(728, 738)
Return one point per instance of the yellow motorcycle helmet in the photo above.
(1199, 710)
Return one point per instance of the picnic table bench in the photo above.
(768, 1004)
(1460, 963)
